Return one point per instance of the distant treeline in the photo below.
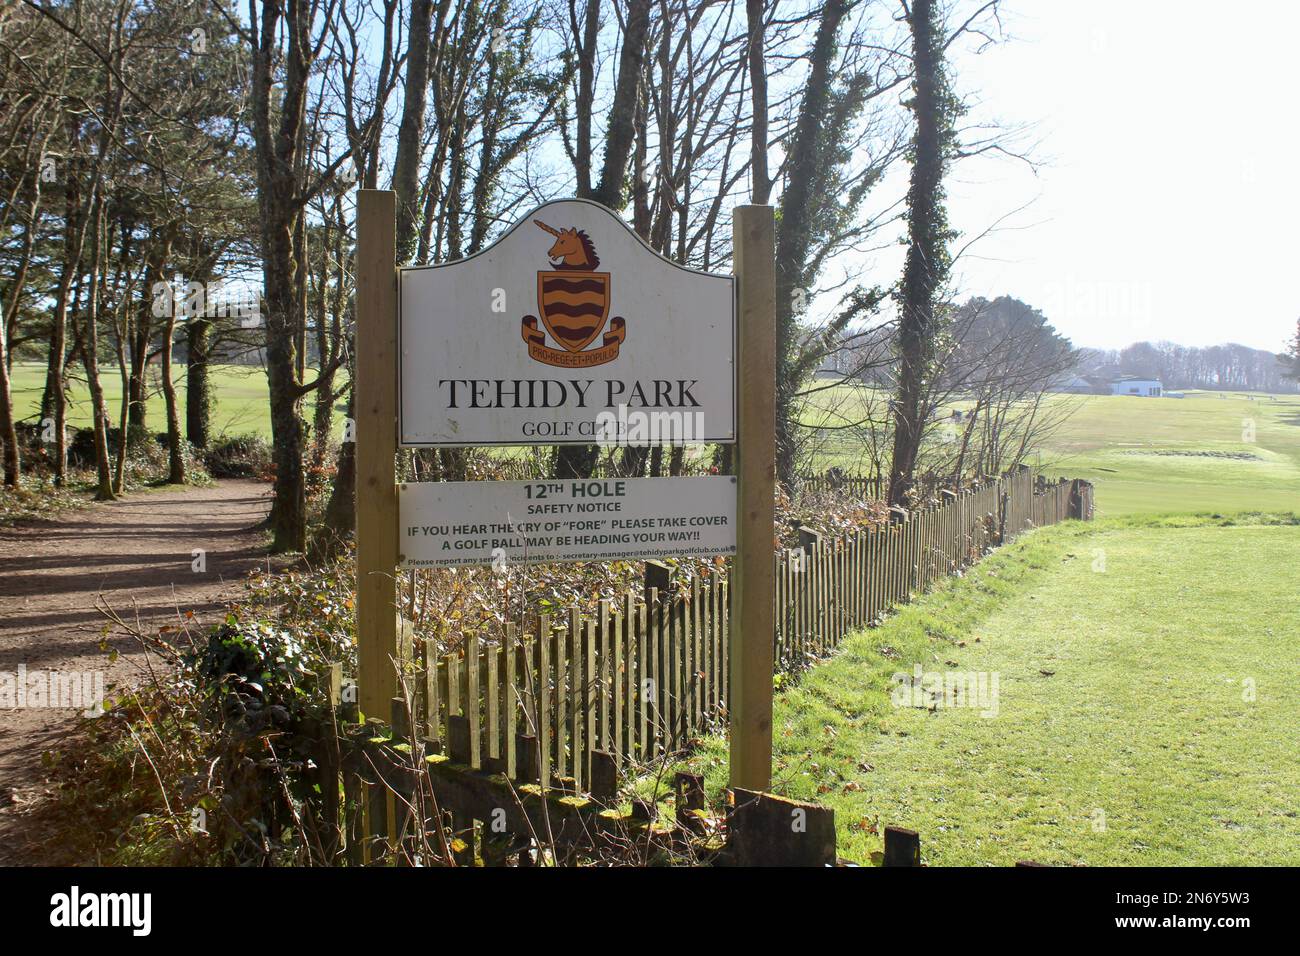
(1007, 340)
(1230, 366)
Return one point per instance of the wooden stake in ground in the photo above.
(375, 407)
(751, 649)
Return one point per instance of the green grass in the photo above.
(241, 405)
(1125, 731)
(1211, 451)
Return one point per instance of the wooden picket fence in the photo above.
(838, 482)
(644, 675)
(857, 486)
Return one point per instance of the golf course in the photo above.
(1207, 452)
(240, 407)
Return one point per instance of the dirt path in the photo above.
(138, 556)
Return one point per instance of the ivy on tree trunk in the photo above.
(927, 264)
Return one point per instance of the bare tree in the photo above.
(1002, 360)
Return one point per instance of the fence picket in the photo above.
(492, 660)
(590, 688)
(614, 679)
(638, 713)
(510, 689)
(543, 715)
(652, 704)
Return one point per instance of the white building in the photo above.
(1075, 385)
(1143, 387)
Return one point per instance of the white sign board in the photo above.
(568, 330)
(445, 524)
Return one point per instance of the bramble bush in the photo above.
(239, 456)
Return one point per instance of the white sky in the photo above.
(1168, 204)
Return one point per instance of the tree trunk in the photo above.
(410, 132)
(329, 335)
(761, 183)
(620, 132)
(288, 519)
(198, 385)
(8, 427)
(926, 265)
(635, 458)
(156, 257)
(55, 393)
(967, 433)
(809, 156)
(278, 107)
(124, 409)
(586, 95)
(90, 359)
(175, 453)
(8, 433)
(340, 514)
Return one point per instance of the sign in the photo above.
(445, 524)
(568, 330)
(593, 338)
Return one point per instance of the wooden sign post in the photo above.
(751, 651)
(622, 342)
(374, 400)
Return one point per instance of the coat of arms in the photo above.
(573, 300)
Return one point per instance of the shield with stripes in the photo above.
(574, 305)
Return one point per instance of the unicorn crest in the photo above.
(572, 247)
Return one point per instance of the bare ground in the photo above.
(135, 555)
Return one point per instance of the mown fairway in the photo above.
(1210, 452)
(1145, 715)
(1214, 452)
(241, 405)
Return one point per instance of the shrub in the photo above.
(239, 456)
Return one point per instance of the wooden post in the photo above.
(902, 847)
(603, 784)
(751, 652)
(375, 407)
(658, 576)
(766, 830)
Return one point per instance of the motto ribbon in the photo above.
(562, 358)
